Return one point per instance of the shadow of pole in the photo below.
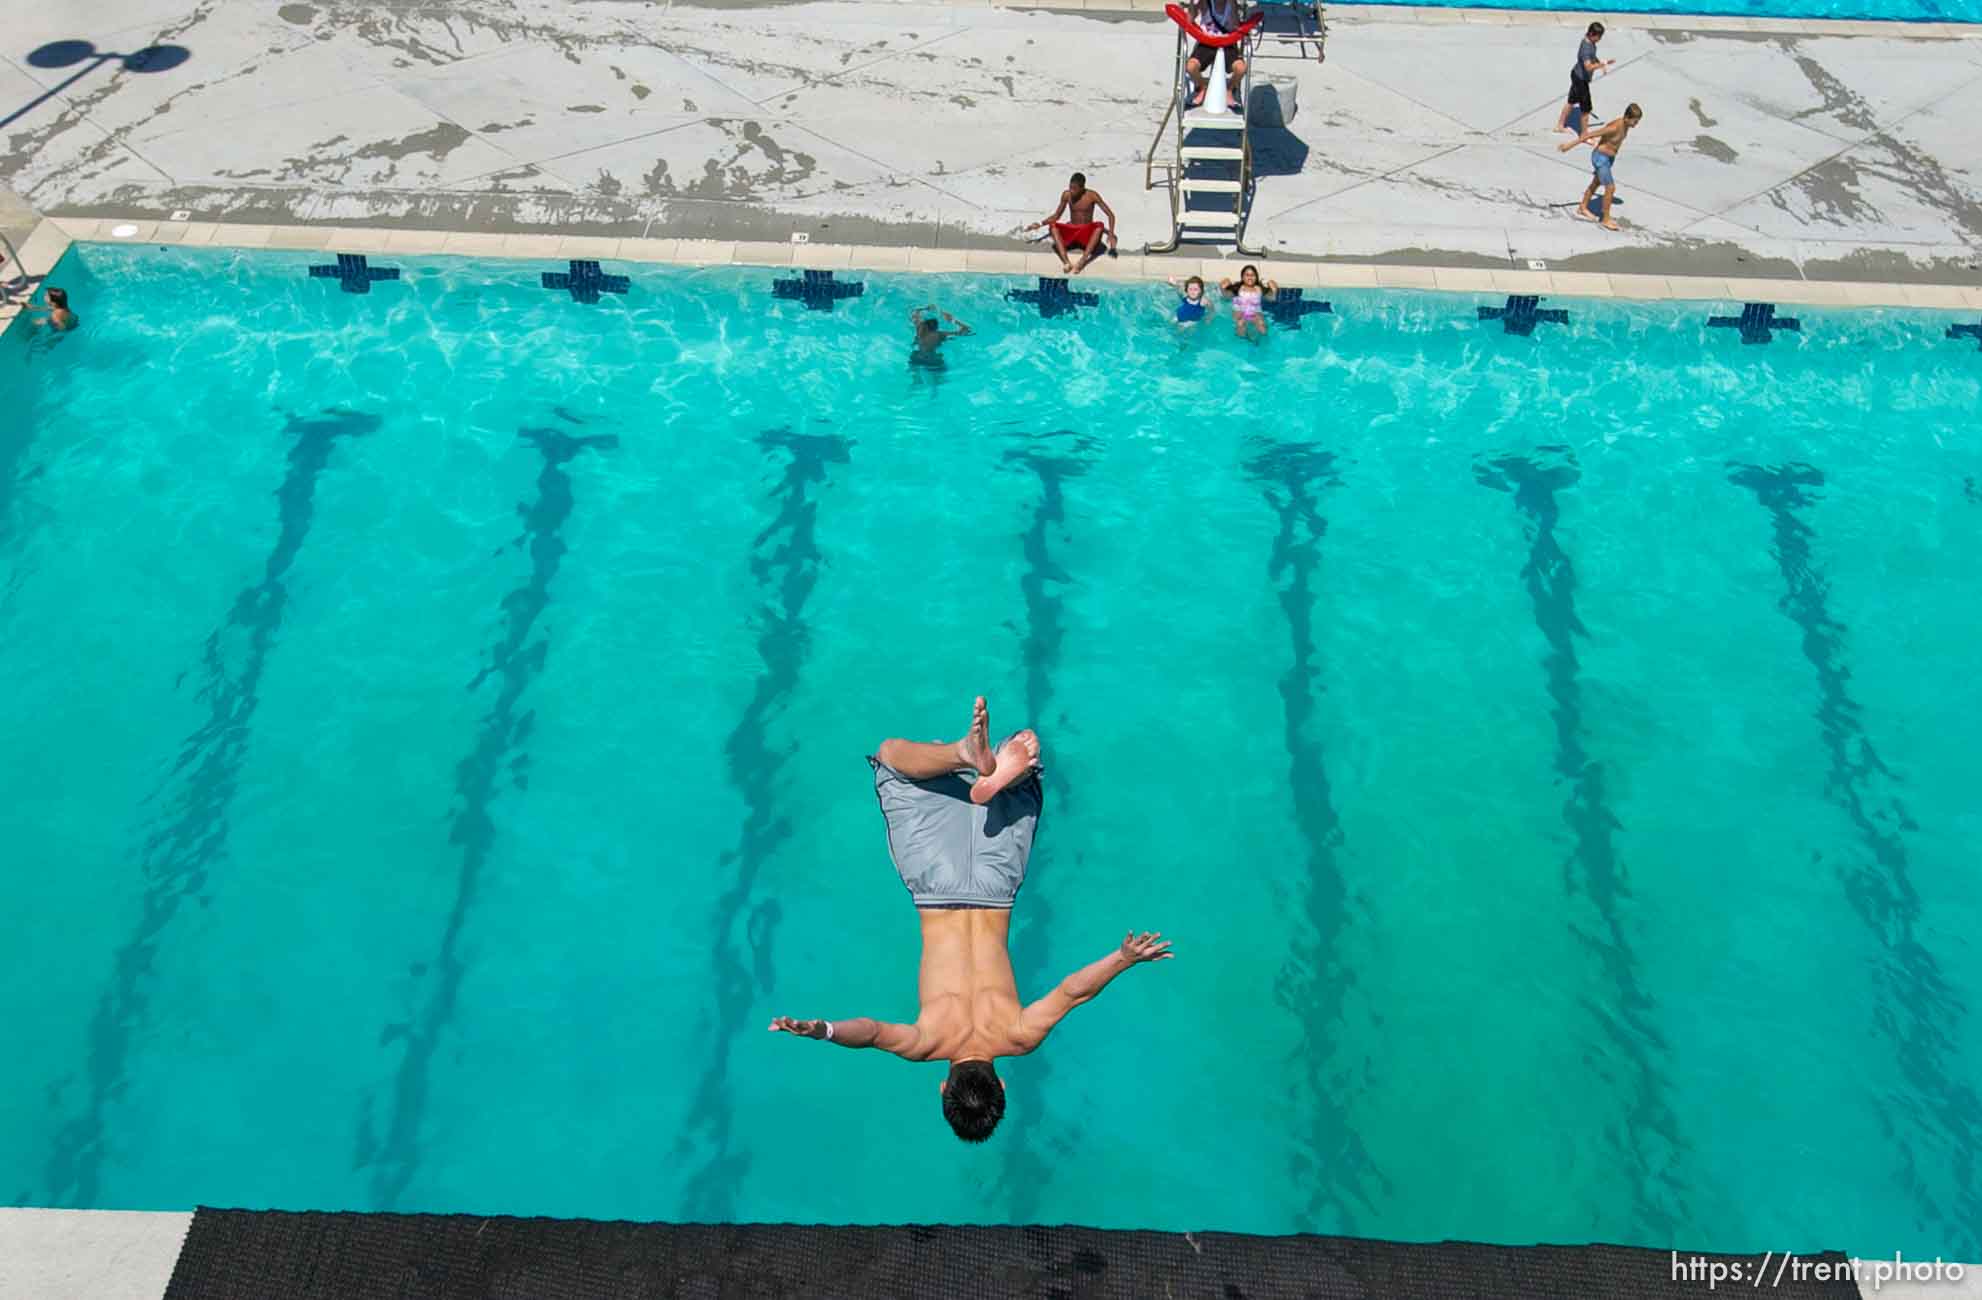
(62, 54)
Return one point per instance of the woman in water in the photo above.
(1248, 294)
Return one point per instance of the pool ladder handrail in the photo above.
(21, 279)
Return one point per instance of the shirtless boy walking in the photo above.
(961, 818)
(1610, 139)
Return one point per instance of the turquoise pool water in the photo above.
(435, 718)
(1905, 11)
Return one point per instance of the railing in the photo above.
(1179, 200)
(23, 280)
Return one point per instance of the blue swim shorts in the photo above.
(1601, 161)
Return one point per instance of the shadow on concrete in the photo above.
(1277, 151)
(64, 54)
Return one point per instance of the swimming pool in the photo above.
(435, 723)
(1903, 11)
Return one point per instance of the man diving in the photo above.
(961, 818)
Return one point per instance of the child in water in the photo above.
(1247, 294)
(60, 318)
(929, 337)
(1191, 306)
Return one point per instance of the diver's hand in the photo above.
(1147, 946)
(803, 1028)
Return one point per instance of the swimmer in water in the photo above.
(961, 818)
(1191, 306)
(929, 337)
(1247, 294)
(60, 318)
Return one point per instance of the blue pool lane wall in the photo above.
(1052, 460)
(1917, 1013)
(190, 840)
(1651, 1144)
(1313, 982)
(784, 561)
(392, 1150)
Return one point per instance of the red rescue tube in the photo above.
(1202, 37)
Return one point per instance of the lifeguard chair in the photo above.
(1207, 161)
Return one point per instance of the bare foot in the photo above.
(1015, 759)
(1583, 213)
(1609, 224)
(975, 748)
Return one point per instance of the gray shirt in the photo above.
(1586, 54)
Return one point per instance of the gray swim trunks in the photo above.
(951, 852)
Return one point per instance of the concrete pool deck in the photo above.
(1825, 153)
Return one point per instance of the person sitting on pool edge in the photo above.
(929, 337)
(1080, 230)
(961, 846)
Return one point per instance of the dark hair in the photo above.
(1248, 267)
(1596, 29)
(58, 298)
(1633, 112)
(1197, 280)
(1079, 181)
(975, 1101)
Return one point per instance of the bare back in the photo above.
(1612, 138)
(970, 1001)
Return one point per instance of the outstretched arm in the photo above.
(1052, 216)
(1589, 134)
(904, 1041)
(960, 330)
(1084, 985)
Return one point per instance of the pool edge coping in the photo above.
(1351, 13)
(54, 236)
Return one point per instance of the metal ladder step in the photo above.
(1192, 185)
(1210, 153)
(1203, 121)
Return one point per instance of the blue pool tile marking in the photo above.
(1757, 322)
(1915, 1007)
(1520, 315)
(1967, 332)
(1288, 306)
(198, 796)
(585, 281)
(1030, 1133)
(818, 290)
(1053, 297)
(515, 661)
(1972, 490)
(354, 273)
(1650, 1144)
(1329, 1161)
(785, 563)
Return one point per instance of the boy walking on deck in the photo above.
(1587, 66)
(1610, 138)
